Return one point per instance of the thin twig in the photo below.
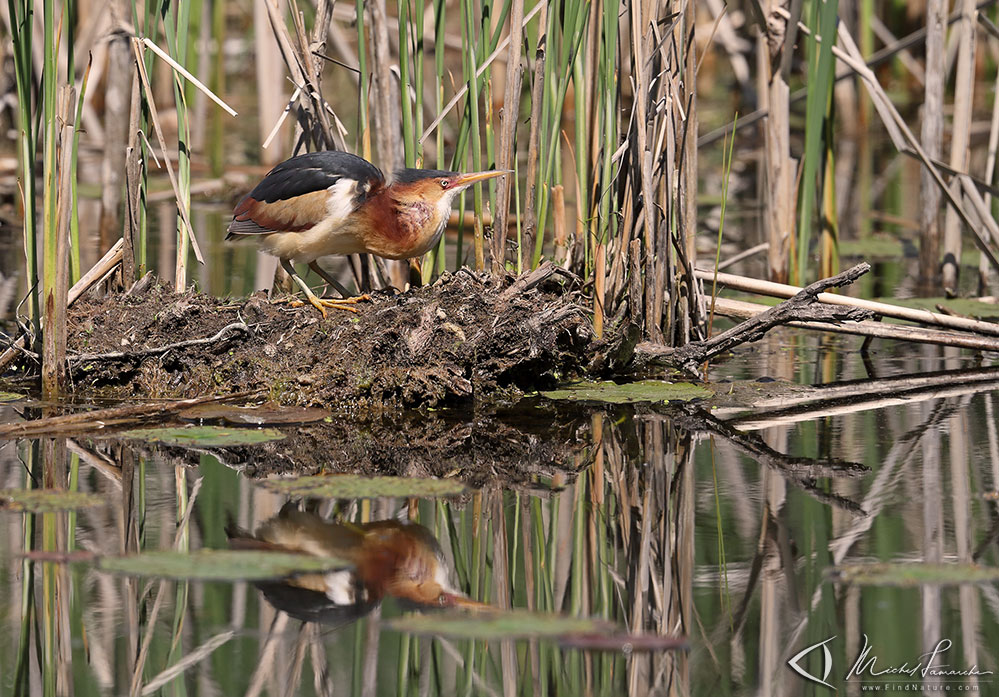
(281, 119)
(180, 69)
(218, 337)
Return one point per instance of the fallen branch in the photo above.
(527, 281)
(804, 306)
(782, 290)
(89, 421)
(222, 335)
(870, 328)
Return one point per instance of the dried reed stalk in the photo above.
(781, 290)
(778, 194)
(534, 146)
(508, 133)
(54, 300)
(964, 91)
(931, 136)
(117, 99)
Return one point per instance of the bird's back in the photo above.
(301, 192)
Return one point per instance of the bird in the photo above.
(384, 558)
(333, 202)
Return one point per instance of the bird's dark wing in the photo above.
(294, 196)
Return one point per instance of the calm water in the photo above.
(658, 522)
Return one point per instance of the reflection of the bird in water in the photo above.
(384, 558)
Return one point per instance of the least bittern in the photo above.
(384, 558)
(324, 203)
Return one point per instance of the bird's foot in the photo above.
(333, 303)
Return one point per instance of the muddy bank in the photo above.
(464, 339)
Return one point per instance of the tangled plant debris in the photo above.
(467, 337)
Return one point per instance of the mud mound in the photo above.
(466, 337)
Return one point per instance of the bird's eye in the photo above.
(445, 183)
(442, 599)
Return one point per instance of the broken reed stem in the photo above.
(187, 75)
(779, 192)
(558, 224)
(57, 255)
(931, 136)
(599, 280)
(533, 147)
(134, 242)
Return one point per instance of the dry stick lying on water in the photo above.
(804, 306)
(115, 416)
(869, 328)
(782, 290)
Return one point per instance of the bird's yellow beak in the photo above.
(465, 603)
(466, 180)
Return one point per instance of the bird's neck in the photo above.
(421, 222)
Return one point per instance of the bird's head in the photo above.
(434, 186)
(405, 561)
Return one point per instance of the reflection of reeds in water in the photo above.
(631, 537)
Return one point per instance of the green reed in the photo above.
(176, 32)
(21, 38)
(821, 70)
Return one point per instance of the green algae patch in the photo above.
(204, 436)
(355, 486)
(47, 500)
(630, 393)
(492, 625)
(219, 564)
(913, 574)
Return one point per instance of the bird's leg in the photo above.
(329, 279)
(347, 298)
(317, 302)
(415, 273)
